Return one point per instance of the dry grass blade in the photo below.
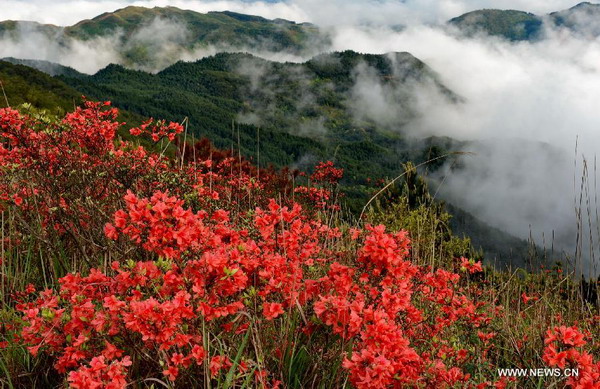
(4, 93)
(403, 174)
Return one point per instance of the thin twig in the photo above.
(403, 174)
(4, 93)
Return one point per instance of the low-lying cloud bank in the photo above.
(526, 106)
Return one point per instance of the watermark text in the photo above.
(539, 372)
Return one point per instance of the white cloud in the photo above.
(88, 56)
(526, 105)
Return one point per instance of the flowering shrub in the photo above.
(65, 178)
(325, 172)
(158, 130)
(198, 276)
(209, 271)
(322, 196)
(564, 349)
(470, 266)
(392, 309)
(161, 306)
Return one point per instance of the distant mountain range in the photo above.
(142, 36)
(154, 38)
(582, 19)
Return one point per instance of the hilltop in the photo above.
(582, 19)
(510, 24)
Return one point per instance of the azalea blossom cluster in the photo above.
(321, 194)
(326, 172)
(63, 176)
(207, 271)
(392, 309)
(210, 263)
(564, 349)
(158, 130)
(67, 177)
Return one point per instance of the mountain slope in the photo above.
(499, 247)
(50, 68)
(510, 24)
(304, 111)
(582, 19)
(23, 84)
(15, 28)
(208, 93)
(154, 38)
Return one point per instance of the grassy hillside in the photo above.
(510, 24)
(582, 19)
(122, 267)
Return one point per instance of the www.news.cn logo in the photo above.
(542, 372)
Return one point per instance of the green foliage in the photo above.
(23, 84)
(410, 207)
